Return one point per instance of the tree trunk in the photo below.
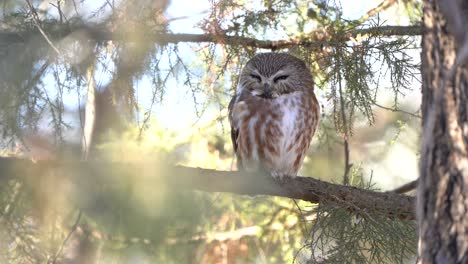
(443, 186)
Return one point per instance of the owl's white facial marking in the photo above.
(257, 92)
(264, 94)
(281, 75)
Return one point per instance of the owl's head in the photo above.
(269, 75)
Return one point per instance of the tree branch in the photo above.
(38, 26)
(412, 185)
(99, 33)
(350, 198)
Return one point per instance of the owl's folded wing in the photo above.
(234, 131)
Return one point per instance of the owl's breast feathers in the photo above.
(273, 135)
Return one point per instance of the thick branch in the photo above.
(101, 34)
(99, 173)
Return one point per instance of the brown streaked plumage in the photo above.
(273, 115)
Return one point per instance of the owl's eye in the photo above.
(280, 78)
(256, 77)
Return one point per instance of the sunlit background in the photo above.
(176, 113)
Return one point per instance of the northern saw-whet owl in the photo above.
(273, 115)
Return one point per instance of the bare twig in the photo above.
(382, 6)
(345, 123)
(39, 74)
(74, 6)
(397, 110)
(73, 229)
(38, 26)
(186, 17)
(59, 10)
(406, 187)
(110, 4)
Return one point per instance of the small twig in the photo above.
(406, 187)
(304, 226)
(74, 6)
(75, 225)
(59, 10)
(345, 125)
(397, 110)
(110, 4)
(382, 6)
(37, 23)
(186, 17)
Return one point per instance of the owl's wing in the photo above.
(234, 131)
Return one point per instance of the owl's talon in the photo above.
(281, 178)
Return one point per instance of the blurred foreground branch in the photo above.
(88, 174)
(100, 33)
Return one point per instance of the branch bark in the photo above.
(353, 199)
(99, 33)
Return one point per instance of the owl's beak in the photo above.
(267, 93)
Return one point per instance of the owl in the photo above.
(273, 115)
